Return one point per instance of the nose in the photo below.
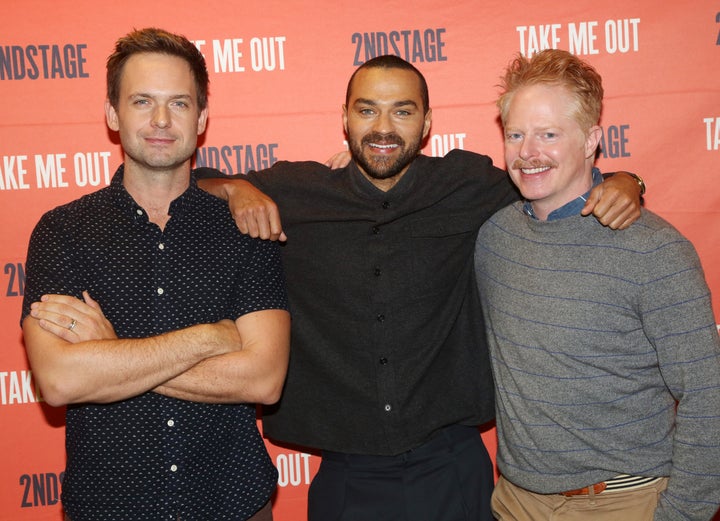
(528, 148)
(383, 123)
(161, 117)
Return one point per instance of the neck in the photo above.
(384, 184)
(542, 209)
(155, 190)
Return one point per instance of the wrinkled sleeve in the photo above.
(678, 319)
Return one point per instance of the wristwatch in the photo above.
(639, 181)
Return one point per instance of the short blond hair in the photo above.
(556, 67)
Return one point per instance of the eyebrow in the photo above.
(401, 103)
(151, 95)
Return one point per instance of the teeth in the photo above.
(382, 146)
(535, 170)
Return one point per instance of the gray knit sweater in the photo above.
(594, 336)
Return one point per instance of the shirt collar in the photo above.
(124, 200)
(571, 208)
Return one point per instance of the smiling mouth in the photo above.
(532, 167)
(535, 170)
(383, 147)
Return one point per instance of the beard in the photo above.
(379, 167)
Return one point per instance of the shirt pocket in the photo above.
(441, 251)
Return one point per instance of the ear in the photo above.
(592, 141)
(202, 121)
(428, 123)
(345, 117)
(111, 116)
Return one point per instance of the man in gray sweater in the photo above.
(604, 346)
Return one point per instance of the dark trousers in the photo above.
(449, 478)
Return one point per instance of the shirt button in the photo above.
(171, 423)
(388, 407)
(381, 318)
(386, 204)
(161, 246)
(383, 361)
(173, 468)
(375, 230)
(377, 272)
(160, 291)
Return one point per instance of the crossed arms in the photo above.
(244, 360)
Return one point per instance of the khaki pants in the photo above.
(512, 503)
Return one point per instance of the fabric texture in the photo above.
(512, 503)
(153, 457)
(388, 344)
(449, 478)
(595, 335)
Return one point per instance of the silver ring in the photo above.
(72, 324)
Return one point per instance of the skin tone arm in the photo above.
(206, 362)
(255, 374)
(615, 202)
(254, 212)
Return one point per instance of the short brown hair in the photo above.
(152, 40)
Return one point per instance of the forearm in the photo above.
(218, 186)
(692, 491)
(255, 374)
(255, 213)
(104, 371)
(694, 376)
(230, 378)
(688, 349)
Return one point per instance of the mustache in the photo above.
(383, 139)
(520, 163)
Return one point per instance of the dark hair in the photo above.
(390, 61)
(152, 40)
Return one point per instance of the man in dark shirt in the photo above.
(159, 383)
(389, 374)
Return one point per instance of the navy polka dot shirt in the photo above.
(153, 457)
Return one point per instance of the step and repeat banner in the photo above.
(278, 71)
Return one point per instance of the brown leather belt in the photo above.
(585, 491)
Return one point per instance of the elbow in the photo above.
(270, 389)
(55, 393)
(58, 391)
(270, 386)
(270, 392)
(55, 401)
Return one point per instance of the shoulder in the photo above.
(74, 211)
(462, 162)
(488, 184)
(667, 240)
(651, 231)
(503, 222)
(507, 215)
(279, 174)
(290, 171)
(651, 249)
